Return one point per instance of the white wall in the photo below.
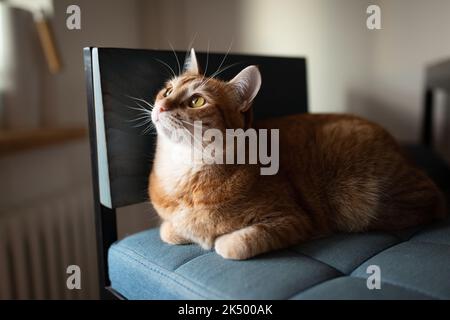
(415, 33)
(330, 34)
(103, 23)
(377, 74)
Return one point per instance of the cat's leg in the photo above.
(169, 235)
(262, 237)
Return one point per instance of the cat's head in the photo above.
(193, 97)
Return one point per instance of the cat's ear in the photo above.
(247, 84)
(191, 64)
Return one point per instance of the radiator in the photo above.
(39, 241)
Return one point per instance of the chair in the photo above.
(437, 77)
(413, 263)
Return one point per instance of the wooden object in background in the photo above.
(18, 140)
(48, 45)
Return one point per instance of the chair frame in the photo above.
(105, 218)
(437, 77)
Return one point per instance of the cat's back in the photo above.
(330, 157)
(329, 136)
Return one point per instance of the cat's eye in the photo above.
(168, 92)
(197, 101)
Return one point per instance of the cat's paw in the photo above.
(233, 246)
(169, 235)
(206, 244)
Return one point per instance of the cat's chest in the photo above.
(173, 178)
(175, 171)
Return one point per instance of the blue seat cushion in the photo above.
(414, 264)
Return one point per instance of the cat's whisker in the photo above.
(141, 112)
(225, 68)
(178, 123)
(194, 138)
(141, 125)
(226, 55)
(146, 117)
(148, 122)
(217, 73)
(149, 110)
(207, 62)
(192, 124)
(176, 57)
(140, 108)
(142, 100)
(149, 133)
(220, 65)
(201, 127)
(148, 129)
(201, 144)
(167, 66)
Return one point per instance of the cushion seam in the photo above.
(375, 254)
(391, 282)
(298, 256)
(383, 281)
(164, 272)
(160, 272)
(430, 242)
(186, 261)
(318, 284)
(419, 231)
(317, 260)
(200, 285)
(160, 266)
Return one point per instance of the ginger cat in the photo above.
(337, 173)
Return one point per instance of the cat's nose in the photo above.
(162, 109)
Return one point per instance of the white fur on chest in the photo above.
(174, 164)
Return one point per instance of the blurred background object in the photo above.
(20, 69)
(46, 220)
(42, 10)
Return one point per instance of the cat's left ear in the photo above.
(247, 84)
(191, 64)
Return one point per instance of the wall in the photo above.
(331, 34)
(414, 34)
(103, 23)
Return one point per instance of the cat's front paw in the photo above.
(232, 246)
(169, 235)
(206, 243)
